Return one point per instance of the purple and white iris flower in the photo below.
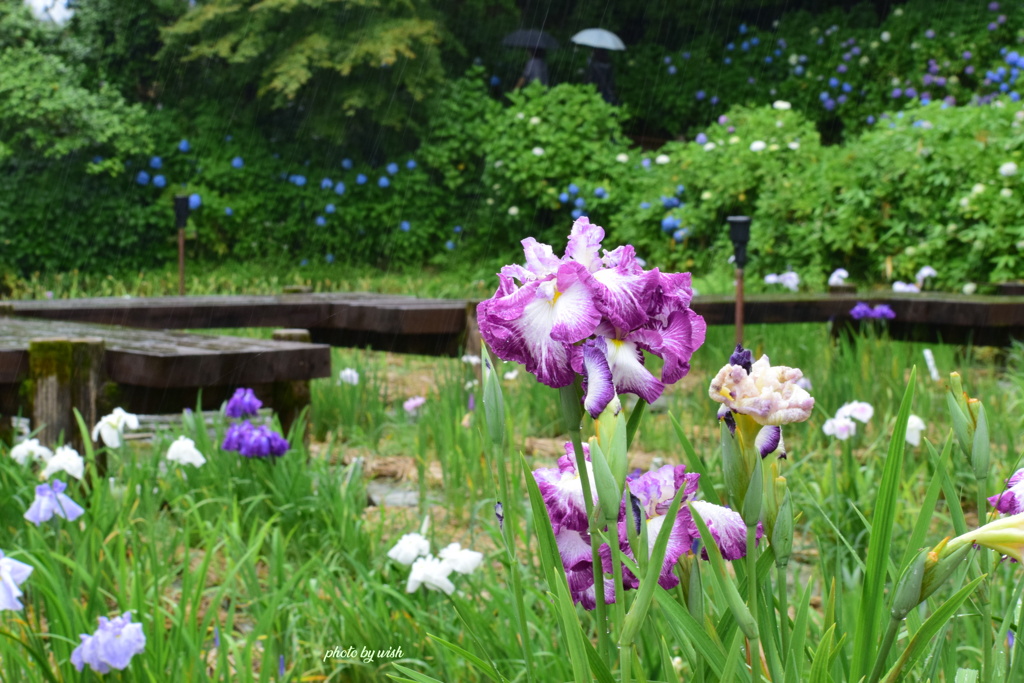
(51, 500)
(112, 646)
(651, 494)
(1011, 501)
(592, 314)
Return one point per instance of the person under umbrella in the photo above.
(599, 72)
(536, 69)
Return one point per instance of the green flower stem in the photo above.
(783, 589)
(755, 644)
(883, 652)
(983, 591)
(572, 414)
(508, 529)
(625, 649)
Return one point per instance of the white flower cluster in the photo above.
(433, 572)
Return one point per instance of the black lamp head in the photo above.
(181, 210)
(739, 233)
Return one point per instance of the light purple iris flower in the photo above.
(651, 495)
(51, 500)
(543, 310)
(112, 646)
(1011, 501)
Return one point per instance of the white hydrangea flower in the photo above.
(886, 36)
(513, 211)
(66, 459)
(794, 145)
(709, 146)
(534, 120)
(622, 158)
(661, 159)
(757, 146)
(905, 287)
(538, 151)
(1008, 169)
(31, 449)
(790, 280)
(409, 547)
(781, 105)
(838, 277)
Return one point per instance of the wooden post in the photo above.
(473, 345)
(65, 374)
(290, 397)
(181, 212)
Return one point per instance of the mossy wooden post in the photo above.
(290, 397)
(64, 374)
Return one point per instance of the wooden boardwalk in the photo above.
(97, 367)
(402, 324)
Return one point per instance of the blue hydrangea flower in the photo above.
(573, 189)
(745, 46)
(798, 70)
(383, 181)
(346, 164)
(457, 229)
(686, 55)
(714, 100)
(910, 93)
(700, 95)
(159, 181)
(298, 180)
(680, 189)
(339, 188)
(600, 193)
(680, 234)
(360, 179)
(97, 159)
(228, 211)
(183, 146)
(672, 70)
(576, 213)
(667, 60)
(755, 41)
(829, 104)
(896, 92)
(303, 263)
(194, 201)
(833, 82)
(411, 164)
(495, 81)
(727, 61)
(701, 139)
(237, 162)
(449, 245)
(392, 168)
(326, 184)
(229, 138)
(842, 68)
(645, 205)
(329, 208)
(564, 197)
(321, 221)
(404, 226)
(142, 178)
(767, 60)
(156, 162)
(580, 203)
(329, 258)
(847, 87)
(742, 29)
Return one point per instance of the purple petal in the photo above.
(621, 292)
(599, 387)
(540, 258)
(573, 307)
(1010, 501)
(563, 495)
(627, 364)
(677, 338)
(574, 548)
(768, 439)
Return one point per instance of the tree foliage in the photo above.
(368, 61)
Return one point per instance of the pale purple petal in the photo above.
(574, 309)
(562, 492)
(585, 243)
(540, 258)
(680, 539)
(726, 527)
(574, 548)
(629, 373)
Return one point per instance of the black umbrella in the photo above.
(531, 39)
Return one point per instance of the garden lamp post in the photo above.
(181, 212)
(739, 233)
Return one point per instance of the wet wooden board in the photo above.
(168, 360)
(342, 310)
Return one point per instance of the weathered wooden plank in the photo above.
(176, 359)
